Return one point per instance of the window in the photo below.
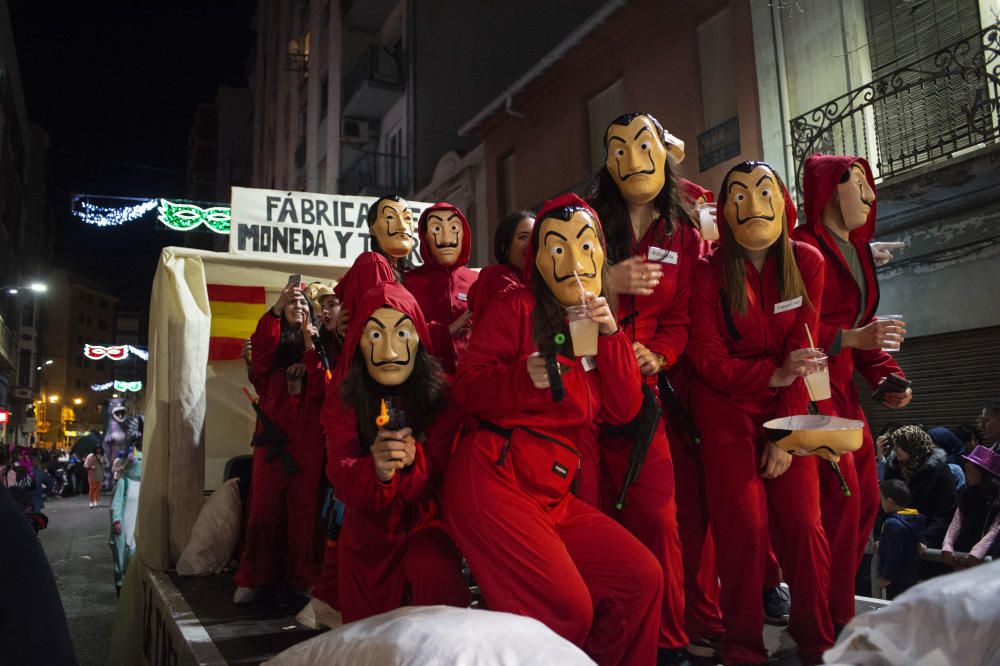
(324, 90)
(507, 186)
(79, 318)
(721, 139)
(24, 368)
(602, 108)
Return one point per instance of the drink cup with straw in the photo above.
(583, 330)
(818, 380)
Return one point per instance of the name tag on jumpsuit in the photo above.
(785, 306)
(659, 255)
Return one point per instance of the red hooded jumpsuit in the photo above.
(282, 514)
(393, 540)
(660, 322)
(494, 281)
(734, 356)
(443, 291)
(535, 548)
(842, 309)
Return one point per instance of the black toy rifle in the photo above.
(552, 369)
(677, 409)
(813, 409)
(644, 427)
(272, 437)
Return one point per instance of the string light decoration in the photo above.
(175, 215)
(108, 216)
(118, 385)
(113, 352)
(185, 217)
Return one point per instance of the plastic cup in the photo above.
(889, 345)
(818, 379)
(582, 331)
(707, 220)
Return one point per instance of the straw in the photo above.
(812, 345)
(579, 283)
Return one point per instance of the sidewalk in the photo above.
(76, 545)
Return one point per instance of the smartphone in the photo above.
(892, 384)
(295, 280)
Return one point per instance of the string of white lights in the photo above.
(109, 216)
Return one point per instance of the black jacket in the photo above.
(933, 493)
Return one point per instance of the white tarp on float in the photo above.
(196, 414)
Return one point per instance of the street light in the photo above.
(37, 287)
(77, 401)
(53, 399)
(47, 363)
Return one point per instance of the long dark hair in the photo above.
(790, 281)
(549, 316)
(504, 235)
(290, 345)
(422, 396)
(605, 198)
(402, 264)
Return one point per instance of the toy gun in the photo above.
(677, 408)
(317, 342)
(813, 409)
(644, 427)
(390, 417)
(272, 437)
(552, 369)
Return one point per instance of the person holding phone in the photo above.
(282, 507)
(840, 206)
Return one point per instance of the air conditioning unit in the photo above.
(357, 130)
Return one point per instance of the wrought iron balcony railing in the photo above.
(375, 173)
(926, 111)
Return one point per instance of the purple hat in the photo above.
(986, 458)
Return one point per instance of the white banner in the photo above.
(329, 228)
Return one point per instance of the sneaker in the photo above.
(244, 595)
(777, 604)
(319, 614)
(704, 647)
(673, 657)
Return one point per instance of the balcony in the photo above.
(367, 15)
(375, 174)
(374, 84)
(936, 108)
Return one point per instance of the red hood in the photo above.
(425, 252)
(561, 201)
(395, 296)
(691, 191)
(820, 179)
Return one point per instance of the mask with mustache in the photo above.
(389, 345)
(636, 159)
(444, 236)
(565, 246)
(855, 197)
(755, 207)
(393, 227)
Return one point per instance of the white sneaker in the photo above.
(318, 614)
(244, 595)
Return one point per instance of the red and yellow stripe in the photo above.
(235, 312)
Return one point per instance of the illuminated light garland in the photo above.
(185, 217)
(119, 385)
(175, 215)
(108, 216)
(113, 352)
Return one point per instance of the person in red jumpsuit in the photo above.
(321, 610)
(442, 284)
(283, 508)
(390, 225)
(509, 243)
(535, 548)
(393, 547)
(749, 347)
(653, 247)
(840, 222)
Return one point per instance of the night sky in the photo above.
(116, 85)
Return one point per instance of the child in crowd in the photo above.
(898, 543)
(976, 524)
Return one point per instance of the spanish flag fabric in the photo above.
(235, 312)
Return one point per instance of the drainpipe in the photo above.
(791, 177)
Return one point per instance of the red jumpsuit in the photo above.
(282, 514)
(848, 521)
(734, 357)
(393, 545)
(443, 291)
(660, 322)
(536, 549)
(494, 280)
